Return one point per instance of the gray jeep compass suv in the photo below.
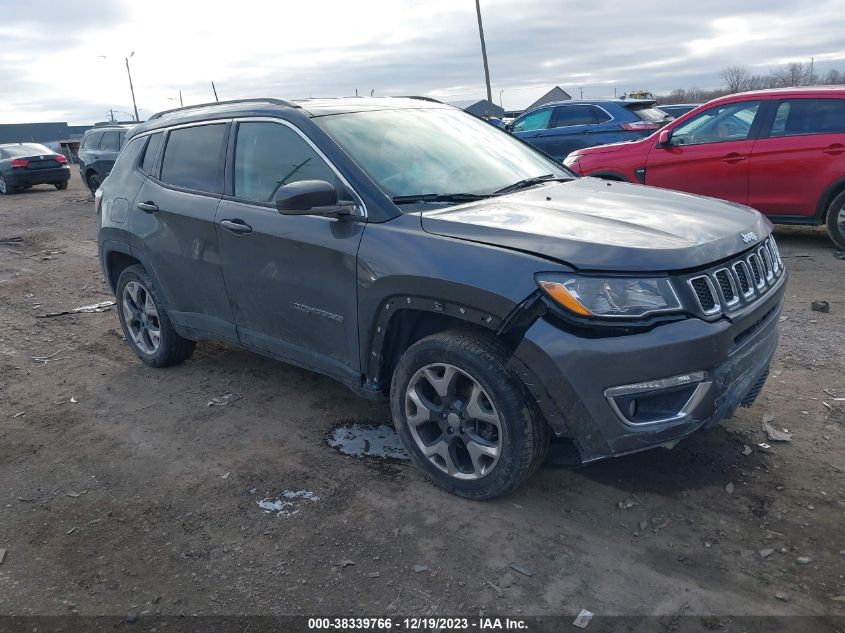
(416, 253)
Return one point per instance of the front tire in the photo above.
(61, 185)
(464, 417)
(836, 220)
(145, 322)
(93, 183)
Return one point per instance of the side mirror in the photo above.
(311, 197)
(509, 126)
(663, 138)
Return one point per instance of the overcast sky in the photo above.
(51, 67)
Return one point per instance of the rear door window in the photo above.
(566, 116)
(538, 120)
(271, 155)
(193, 158)
(148, 160)
(110, 142)
(797, 117)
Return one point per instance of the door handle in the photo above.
(733, 158)
(835, 149)
(148, 207)
(238, 227)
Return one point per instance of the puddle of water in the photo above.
(367, 440)
(287, 504)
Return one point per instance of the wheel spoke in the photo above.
(441, 448)
(423, 410)
(480, 408)
(150, 307)
(442, 384)
(478, 451)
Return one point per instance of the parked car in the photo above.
(98, 151)
(23, 165)
(420, 255)
(677, 109)
(779, 151)
(562, 127)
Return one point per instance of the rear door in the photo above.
(291, 279)
(173, 219)
(800, 156)
(573, 127)
(709, 154)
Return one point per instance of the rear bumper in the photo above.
(27, 178)
(690, 374)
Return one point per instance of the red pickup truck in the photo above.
(780, 151)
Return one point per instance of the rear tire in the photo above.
(143, 317)
(61, 185)
(836, 220)
(464, 417)
(5, 188)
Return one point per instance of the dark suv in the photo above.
(98, 151)
(416, 253)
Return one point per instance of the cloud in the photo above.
(50, 69)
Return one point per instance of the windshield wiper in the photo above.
(439, 197)
(530, 182)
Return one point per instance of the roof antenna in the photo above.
(356, 92)
(372, 91)
(215, 91)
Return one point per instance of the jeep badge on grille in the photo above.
(749, 237)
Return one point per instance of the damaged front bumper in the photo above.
(619, 395)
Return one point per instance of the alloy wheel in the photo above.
(141, 316)
(3, 185)
(453, 421)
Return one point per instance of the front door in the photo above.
(708, 154)
(291, 279)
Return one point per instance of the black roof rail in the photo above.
(279, 102)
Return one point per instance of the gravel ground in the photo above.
(124, 491)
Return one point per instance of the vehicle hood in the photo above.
(612, 147)
(592, 224)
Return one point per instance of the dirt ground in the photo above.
(124, 491)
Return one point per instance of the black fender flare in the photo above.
(396, 303)
(830, 192)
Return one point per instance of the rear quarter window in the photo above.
(129, 156)
(193, 158)
(92, 141)
(150, 151)
(649, 114)
(110, 142)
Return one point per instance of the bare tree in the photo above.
(736, 78)
(833, 76)
(793, 74)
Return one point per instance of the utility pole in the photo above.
(812, 62)
(131, 87)
(484, 52)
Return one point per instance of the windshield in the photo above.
(444, 151)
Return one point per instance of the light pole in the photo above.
(131, 87)
(500, 99)
(484, 52)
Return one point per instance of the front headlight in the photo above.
(610, 297)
